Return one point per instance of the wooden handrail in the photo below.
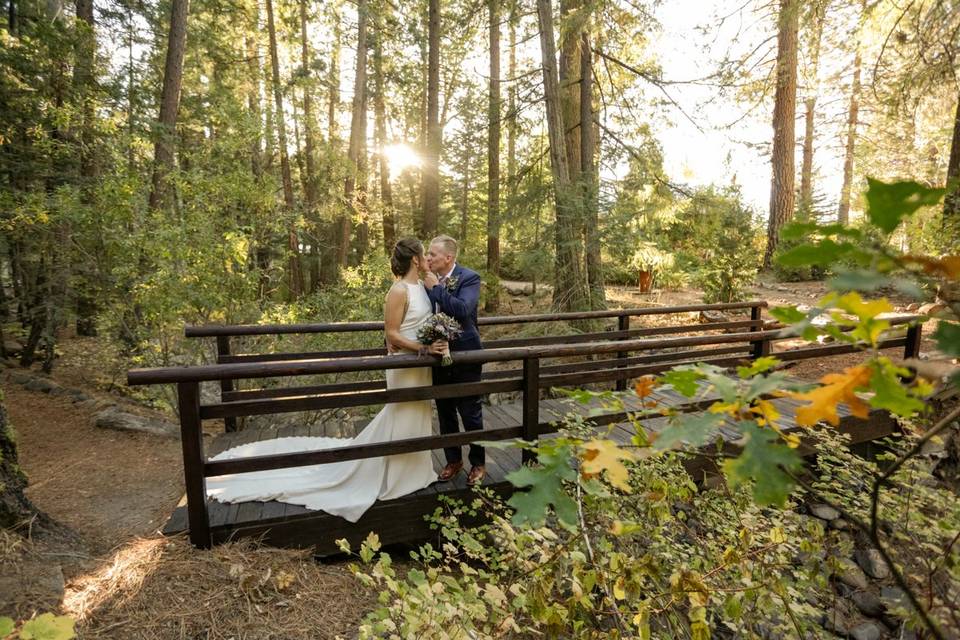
(201, 331)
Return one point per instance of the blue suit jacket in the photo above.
(460, 302)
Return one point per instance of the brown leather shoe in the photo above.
(477, 474)
(450, 471)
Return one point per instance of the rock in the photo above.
(894, 597)
(57, 390)
(839, 524)
(40, 384)
(866, 631)
(116, 418)
(868, 603)
(12, 347)
(851, 575)
(78, 396)
(834, 621)
(824, 512)
(709, 315)
(913, 306)
(41, 582)
(20, 377)
(935, 446)
(872, 562)
(931, 308)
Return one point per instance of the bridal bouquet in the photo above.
(440, 326)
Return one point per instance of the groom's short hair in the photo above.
(449, 245)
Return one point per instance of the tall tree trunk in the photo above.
(380, 132)
(465, 201)
(568, 291)
(354, 189)
(784, 135)
(493, 158)
(253, 100)
(431, 166)
(951, 204)
(169, 104)
(512, 110)
(309, 126)
(810, 104)
(589, 146)
(843, 209)
(333, 104)
(294, 273)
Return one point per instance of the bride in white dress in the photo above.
(349, 488)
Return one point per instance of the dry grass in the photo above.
(163, 588)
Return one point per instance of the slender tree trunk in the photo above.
(810, 104)
(465, 201)
(12, 17)
(333, 106)
(568, 292)
(843, 210)
(294, 273)
(493, 158)
(431, 168)
(253, 102)
(355, 183)
(309, 126)
(951, 204)
(169, 104)
(784, 135)
(512, 109)
(380, 132)
(589, 146)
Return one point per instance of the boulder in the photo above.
(12, 347)
(931, 308)
(913, 306)
(852, 575)
(872, 563)
(20, 377)
(709, 315)
(868, 603)
(116, 418)
(866, 631)
(40, 384)
(824, 512)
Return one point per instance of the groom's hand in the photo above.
(430, 280)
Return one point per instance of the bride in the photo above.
(349, 488)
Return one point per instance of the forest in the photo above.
(168, 163)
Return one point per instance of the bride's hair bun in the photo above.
(403, 254)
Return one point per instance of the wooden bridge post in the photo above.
(760, 347)
(623, 324)
(912, 348)
(223, 349)
(531, 405)
(191, 440)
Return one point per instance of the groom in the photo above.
(455, 291)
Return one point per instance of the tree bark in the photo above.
(493, 158)
(380, 132)
(589, 145)
(512, 110)
(568, 292)
(810, 104)
(294, 273)
(843, 209)
(309, 127)
(169, 104)
(333, 131)
(431, 165)
(951, 204)
(784, 134)
(253, 100)
(354, 188)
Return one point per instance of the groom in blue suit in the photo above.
(455, 291)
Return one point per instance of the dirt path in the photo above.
(106, 485)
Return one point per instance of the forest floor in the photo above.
(115, 490)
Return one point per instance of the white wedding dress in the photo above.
(349, 488)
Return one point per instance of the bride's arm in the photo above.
(393, 318)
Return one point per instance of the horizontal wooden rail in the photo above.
(201, 331)
(356, 452)
(359, 399)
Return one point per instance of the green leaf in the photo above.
(683, 380)
(6, 626)
(788, 315)
(858, 280)
(761, 364)
(764, 385)
(48, 627)
(825, 252)
(762, 462)
(889, 393)
(692, 429)
(947, 336)
(889, 203)
(544, 485)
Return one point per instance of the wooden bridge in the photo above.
(587, 359)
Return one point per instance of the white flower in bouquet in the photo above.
(440, 326)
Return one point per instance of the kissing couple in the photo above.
(427, 282)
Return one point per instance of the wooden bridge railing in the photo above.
(225, 348)
(531, 380)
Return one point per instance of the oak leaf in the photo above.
(836, 388)
(605, 455)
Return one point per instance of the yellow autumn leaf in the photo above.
(644, 386)
(836, 388)
(732, 408)
(765, 411)
(619, 592)
(605, 455)
(948, 266)
(777, 536)
(283, 580)
(861, 308)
